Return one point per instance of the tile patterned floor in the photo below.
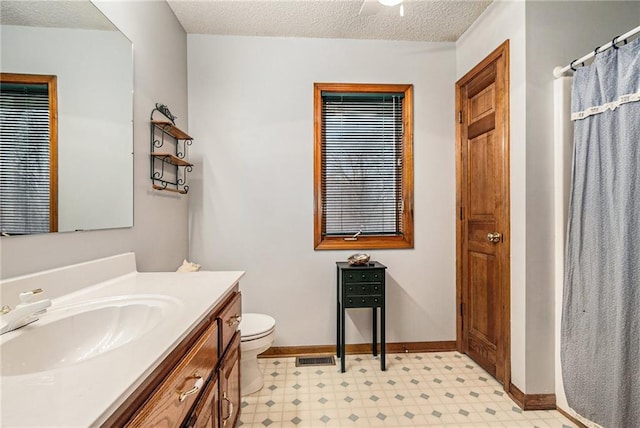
(419, 390)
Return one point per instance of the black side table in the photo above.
(361, 287)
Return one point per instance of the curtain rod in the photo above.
(559, 72)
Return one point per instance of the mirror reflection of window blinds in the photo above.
(24, 158)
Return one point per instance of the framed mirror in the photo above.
(66, 162)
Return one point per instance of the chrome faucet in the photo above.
(24, 313)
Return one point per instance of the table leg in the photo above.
(339, 329)
(375, 331)
(338, 318)
(343, 352)
(383, 343)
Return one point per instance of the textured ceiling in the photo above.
(424, 20)
(56, 14)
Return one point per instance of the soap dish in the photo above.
(358, 259)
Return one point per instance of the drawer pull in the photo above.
(196, 388)
(234, 320)
(229, 409)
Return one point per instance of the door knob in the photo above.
(494, 237)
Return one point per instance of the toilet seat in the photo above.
(256, 326)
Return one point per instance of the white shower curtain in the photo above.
(600, 333)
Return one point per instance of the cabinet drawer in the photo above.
(229, 318)
(363, 301)
(168, 405)
(364, 275)
(362, 289)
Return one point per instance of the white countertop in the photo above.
(87, 393)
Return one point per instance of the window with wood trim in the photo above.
(363, 166)
(28, 154)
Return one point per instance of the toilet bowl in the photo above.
(257, 335)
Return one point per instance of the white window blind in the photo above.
(362, 163)
(24, 158)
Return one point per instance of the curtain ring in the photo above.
(595, 52)
(613, 42)
(571, 64)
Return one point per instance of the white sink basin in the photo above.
(72, 334)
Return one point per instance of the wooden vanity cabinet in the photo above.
(198, 384)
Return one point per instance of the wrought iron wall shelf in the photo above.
(169, 143)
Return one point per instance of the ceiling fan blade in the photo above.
(369, 7)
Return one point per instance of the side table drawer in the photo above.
(364, 275)
(362, 289)
(363, 302)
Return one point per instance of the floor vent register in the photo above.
(315, 361)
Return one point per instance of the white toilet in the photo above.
(257, 335)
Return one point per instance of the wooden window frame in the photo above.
(367, 241)
(52, 85)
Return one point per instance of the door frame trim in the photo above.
(500, 51)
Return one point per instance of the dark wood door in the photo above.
(483, 215)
